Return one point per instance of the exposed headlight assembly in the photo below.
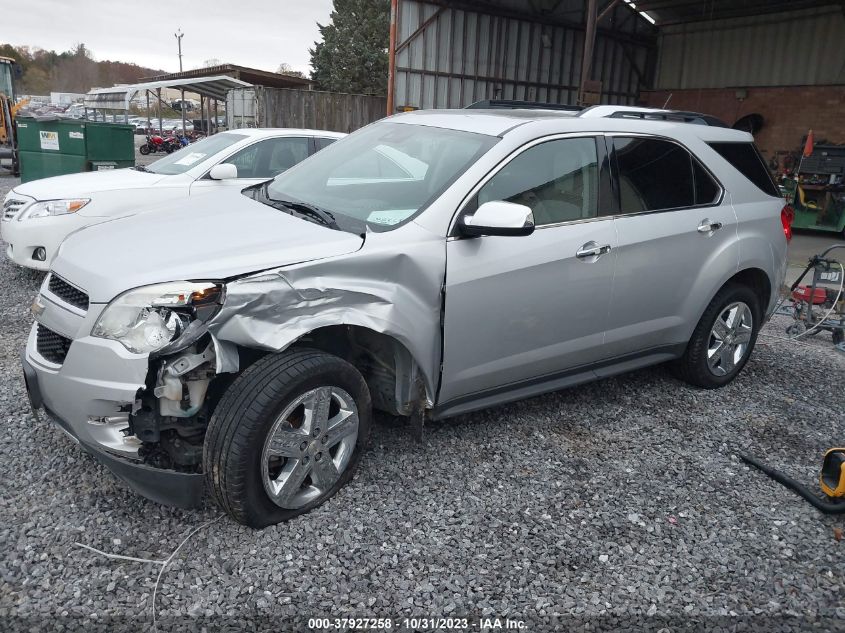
(161, 317)
(49, 208)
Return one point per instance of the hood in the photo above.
(208, 237)
(81, 185)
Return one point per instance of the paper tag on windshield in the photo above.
(389, 216)
(190, 159)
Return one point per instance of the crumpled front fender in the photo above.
(392, 287)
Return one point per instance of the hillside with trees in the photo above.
(71, 71)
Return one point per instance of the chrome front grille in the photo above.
(67, 293)
(51, 346)
(11, 208)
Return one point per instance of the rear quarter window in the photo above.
(747, 160)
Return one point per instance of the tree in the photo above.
(286, 69)
(76, 71)
(353, 54)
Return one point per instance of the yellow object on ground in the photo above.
(832, 478)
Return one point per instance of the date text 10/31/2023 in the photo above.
(417, 624)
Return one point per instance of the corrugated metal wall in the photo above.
(313, 109)
(449, 57)
(796, 48)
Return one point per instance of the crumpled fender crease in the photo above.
(272, 310)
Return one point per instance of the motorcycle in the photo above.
(182, 140)
(172, 143)
(155, 143)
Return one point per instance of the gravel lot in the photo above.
(616, 505)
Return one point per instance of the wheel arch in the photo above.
(759, 282)
(751, 276)
(396, 380)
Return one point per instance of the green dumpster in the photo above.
(110, 141)
(52, 147)
(51, 136)
(36, 165)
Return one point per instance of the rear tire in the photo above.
(267, 457)
(720, 347)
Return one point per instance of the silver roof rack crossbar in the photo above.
(651, 114)
(510, 104)
(602, 111)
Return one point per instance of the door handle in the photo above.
(591, 249)
(706, 226)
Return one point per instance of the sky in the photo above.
(256, 33)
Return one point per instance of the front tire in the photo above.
(287, 434)
(723, 339)
(144, 149)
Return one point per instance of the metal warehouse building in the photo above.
(775, 66)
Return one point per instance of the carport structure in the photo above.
(210, 89)
(451, 53)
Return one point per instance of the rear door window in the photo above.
(323, 142)
(654, 175)
(747, 160)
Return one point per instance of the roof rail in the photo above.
(652, 114)
(508, 104)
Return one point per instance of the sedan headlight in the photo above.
(49, 208)
(150, 318)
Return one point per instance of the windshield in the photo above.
(6, 79)
(182, 160)
(384, 174)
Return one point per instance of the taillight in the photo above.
(787, 215)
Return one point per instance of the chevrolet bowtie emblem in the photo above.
(37, 308)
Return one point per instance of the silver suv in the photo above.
(430, 264)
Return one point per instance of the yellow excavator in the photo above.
(8, 109)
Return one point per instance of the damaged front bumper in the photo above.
(90, 396)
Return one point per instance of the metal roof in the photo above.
(666, 12)
(253, 76)
(119, 97)
(796, 48)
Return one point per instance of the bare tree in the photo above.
(286, 69)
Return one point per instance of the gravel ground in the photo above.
(617, 505)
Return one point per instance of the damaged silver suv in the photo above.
(428, 265)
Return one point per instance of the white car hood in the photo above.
(84, 184)
(210, 237)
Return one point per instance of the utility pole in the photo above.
(179, 35)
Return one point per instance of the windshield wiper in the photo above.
(140, 168)
(302, 208)
(310, 210)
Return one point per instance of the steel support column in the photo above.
(589, 45)
(391, 54)
(160, 116)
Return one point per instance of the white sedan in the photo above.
(38, 215)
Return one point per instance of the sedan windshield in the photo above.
(382, 175)
(182, 160)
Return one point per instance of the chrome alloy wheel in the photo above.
(309, 446)
(729, 338)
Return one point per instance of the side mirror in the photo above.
(498, 218)
(223, 171)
